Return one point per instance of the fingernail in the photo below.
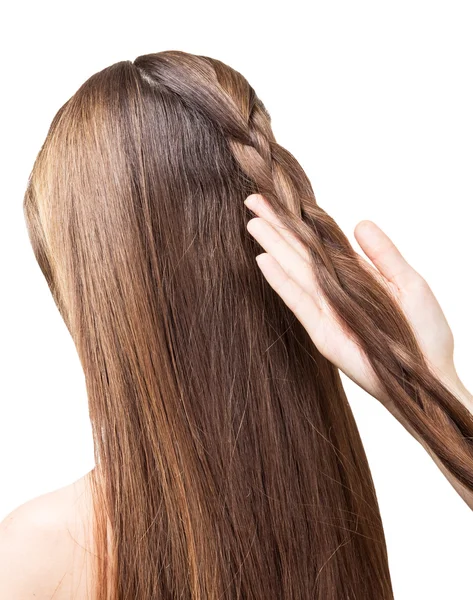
(252, 200)
(258, 257)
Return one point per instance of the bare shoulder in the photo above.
(46, 546)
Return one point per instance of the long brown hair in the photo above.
(228, 461)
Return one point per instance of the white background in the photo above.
(375, 99)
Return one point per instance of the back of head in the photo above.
(228, 462)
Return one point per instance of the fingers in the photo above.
(295, 297)
(259, 205)
(382, 252)
(295, 267)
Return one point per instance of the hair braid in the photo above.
(228, 461)
(358, 298)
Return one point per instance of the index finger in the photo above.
(259, 205)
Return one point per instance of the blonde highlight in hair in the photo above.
(228, 461)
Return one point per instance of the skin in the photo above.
(46, 545)
(285, 265)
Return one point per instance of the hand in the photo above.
(287, 269)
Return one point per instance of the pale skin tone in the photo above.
(285, 265)
(46, 545)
